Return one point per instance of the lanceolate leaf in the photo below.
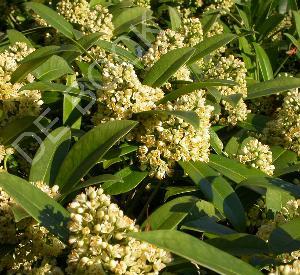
(273, 86)
(189, 88)
(166, 66)
(56, 87)
(170, 214)
(217, 190)
(15, 36)
(89, 150)
(130, 179)
(124, 54)
(52, 18)
(50, 155)
(197, 251)
(39, 205)
(53, 68)
(264, 62)
(14, 128)
(175, 18)
(232, 169)
(210, 44)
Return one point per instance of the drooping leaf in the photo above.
(50, 155)
(197, 251)
(89, 150)
(166, 66)
(38, 204)
(273, 86)
(217, 190)
(52, 18)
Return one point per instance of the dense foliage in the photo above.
(149, 137)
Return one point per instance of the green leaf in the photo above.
(188, 116)
(189, 88)
(297, 21)
(170, 214)
(177, 190)
(209, 225)
(232, 147)
(264, 62)
(36, 59)
(50, 155)
(52, 69)
(89, 150)
(208, 21)
(269, 26)
(240, 244)
(286, 237)
(271, 183)
(52, 18)
(14, 36)
(175, 18)
(273, 86)
(254, 122)
(294, 40)
(232, 169)
(166, 66)
(130, 180)
(215, 142)
(14, 128)
(71, 114)
(196, 251)
(55, 87)
(282, 159)
(128, 17)
(38, 204)
(211, 44)
(124, 54)
(217, 190)
(233, 99)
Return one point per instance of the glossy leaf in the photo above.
(264, 62)
(89, 150)
(196, 251)
(217, 190)
(50, 155)
(273, 86)
(174, 18)
(166, 66)
(130, 180)
(211, 44)
(14, 36)
(38, 204)
(52, 18)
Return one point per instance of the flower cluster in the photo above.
(229, 68)
(15, 102)
(142, 3)
(257, 155)
(122, 94)
(167, 139)
(284, 129)
(223, 5)
(88, 19)
(33, 243)
(99, 241)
